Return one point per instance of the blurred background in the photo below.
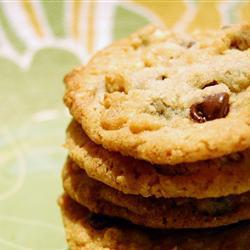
(40, 41)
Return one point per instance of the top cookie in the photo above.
(166, 97)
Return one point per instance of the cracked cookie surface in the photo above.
(153, 212)
(166, 97)
(201, 179)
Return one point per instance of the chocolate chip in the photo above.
(180, 170)
(213, 107)
(234, 45)
(236, 157)
(99, 222)
(213, 83)
(216, 206)
(240, 44)
(190, 44)
(161, 77)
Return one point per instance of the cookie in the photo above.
(211, 178)
(167, 98)
(153, 212)
(86, 230)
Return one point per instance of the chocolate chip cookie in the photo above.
(86, 230)
(211, 178)
(165, 97)
(153, 212)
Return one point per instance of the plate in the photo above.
(40, 41)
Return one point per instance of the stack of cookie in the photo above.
(160, 138)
